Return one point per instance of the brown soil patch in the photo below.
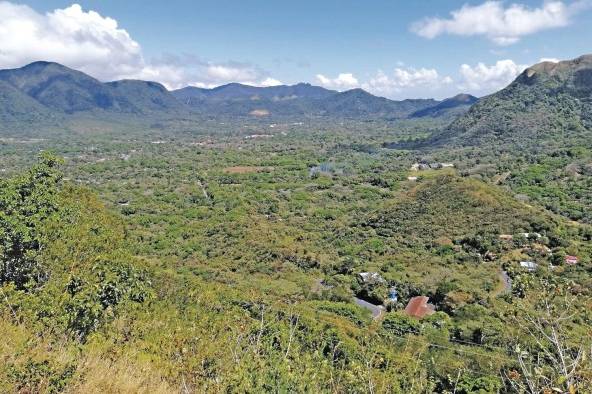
(259, 112)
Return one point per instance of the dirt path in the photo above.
(505, 285)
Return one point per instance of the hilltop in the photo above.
(450, 107)
(63, 90)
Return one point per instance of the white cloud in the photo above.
(219, 72)
(402, 82)
(406, 80)
(483, 79)
(479, 79)
(270, 82)
(502, 25)
(343, 81)
(83, 40)
(97, 45)
(549, 59)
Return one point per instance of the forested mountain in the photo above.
(45, 90)
(549, 104)
(145, 97)
(59, 88)
(308, 100)
(239, 91)
(16, 106)
(450, 107)
(359, 103)
(62, 90)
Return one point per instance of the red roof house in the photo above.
(571, 260)
(419, 307)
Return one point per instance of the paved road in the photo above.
(376, 310)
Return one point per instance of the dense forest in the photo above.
(216, 254)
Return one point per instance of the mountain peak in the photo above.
(560, 69)
(451, 106)
(45, 65)
(463, 98)
(356, 90)
(42, 63)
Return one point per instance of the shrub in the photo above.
(400, 324)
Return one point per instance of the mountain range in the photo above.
(45, 91)
(548, 103)
(305, 100)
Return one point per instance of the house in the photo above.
(371, 278)
(531, 266)
(531, 235)
(447, 165)
(419, 307)
(506, 237)
(435, 166)
(571, 260)
(412, 178)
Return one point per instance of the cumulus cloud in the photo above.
(271, 82)
(343, 81)
(402, 82)
(97, 45)
(484, 79)
(84, 40)
(502, 25)
(410, 82)
(406, 80)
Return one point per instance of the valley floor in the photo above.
(215, 261)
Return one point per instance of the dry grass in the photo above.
(97, 371)
(246, 169)
(100, 375)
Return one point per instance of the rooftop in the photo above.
(419, 307)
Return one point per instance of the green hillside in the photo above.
(173, 251)
(67, 91)
(548, 106)
(17, 107)
(146, 97)
(216, 293)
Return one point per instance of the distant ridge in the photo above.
(45, 91)
(450, 106)
(307, 100)
(240, 91)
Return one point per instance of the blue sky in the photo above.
(390, 48)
